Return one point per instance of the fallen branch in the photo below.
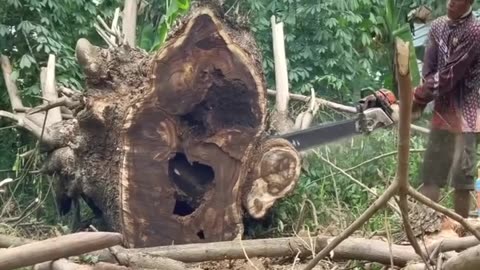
(24, 214)
(320, 101)
(63, 101)
(465, 260)
(378, 204)
(7, 241)
(352, 248)
(393, 206)
(64, 264)
(58, 247)
(369, 161)
(29, 125)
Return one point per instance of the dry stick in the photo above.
(405, 90)
(281, 78)
(304, 119)
(63, 101)
(389, 239)
(369, 161)
(393, 206)
(104, 35)
(379, 203)
(55, 248)
(439, 208)
(24, 214)
(281, 74)
(338, 107)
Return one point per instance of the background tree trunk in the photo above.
(171, 148)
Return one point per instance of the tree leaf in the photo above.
(26, 61)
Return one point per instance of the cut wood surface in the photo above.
(189, 158)
(56, 248)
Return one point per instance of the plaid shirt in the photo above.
(451, 74)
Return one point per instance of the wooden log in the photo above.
(465, 260)
(7, 241)
(350, 249)
(55, 248)
(176, 132)
(64, 264)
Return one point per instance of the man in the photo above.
(451, 78)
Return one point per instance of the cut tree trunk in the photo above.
(172, 148)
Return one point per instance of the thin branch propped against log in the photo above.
(280, 119)
(129, 21)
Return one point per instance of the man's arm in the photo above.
(445, 80)
(430, 60)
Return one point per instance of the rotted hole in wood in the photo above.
(227, 104)
(191, 181)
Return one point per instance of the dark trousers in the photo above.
(451, 157)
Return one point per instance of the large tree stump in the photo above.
(171, 148)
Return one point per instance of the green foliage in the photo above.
(31, 29)
(393, 26)
(153, 32)
(328, 43)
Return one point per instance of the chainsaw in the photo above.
(373, 111)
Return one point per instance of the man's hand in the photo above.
(417, 111)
